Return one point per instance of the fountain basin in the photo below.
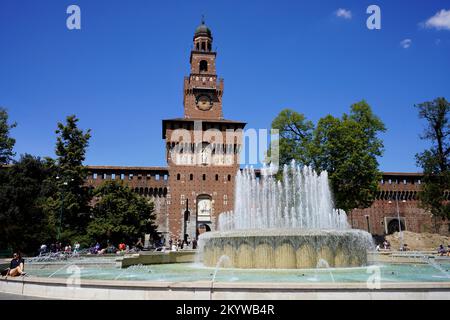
(286, 248)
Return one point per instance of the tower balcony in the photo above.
(203, 82)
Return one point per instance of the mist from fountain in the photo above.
(302, 199)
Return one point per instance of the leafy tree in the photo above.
(295, 133)
(68, 207)
(6, 142)
(23, 223)
(120, 214)
(346, 147)
(435, 161)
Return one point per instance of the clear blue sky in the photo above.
(123, 71)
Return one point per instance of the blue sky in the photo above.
(122, 73)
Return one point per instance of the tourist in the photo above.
(194, 244)
(43, 249)
(378, 247)
(122, 246)
(448, 250)
(441, 250)
(17, 266)
(139, 245)
(76, 248)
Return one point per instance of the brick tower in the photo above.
(202, 148)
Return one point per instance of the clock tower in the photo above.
(202, 148)
(202, 90)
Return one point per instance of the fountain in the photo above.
(285, 224)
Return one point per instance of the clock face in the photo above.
(204, 102)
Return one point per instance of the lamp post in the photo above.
(186, 219)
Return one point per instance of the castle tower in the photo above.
(202, 90)
(202, 148)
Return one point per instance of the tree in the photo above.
(346, 147)
(435, 160)
(23, 223)
(120, 215)
(6, 142)
(68, 207)
(295, 133)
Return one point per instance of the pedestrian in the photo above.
(16, 266)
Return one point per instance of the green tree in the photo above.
(435, 160)
(23, 223)
(348, 149)
(68, 206)
(295, 134)
(120, 214)
(6, 142)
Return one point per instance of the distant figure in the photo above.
(194, 244)
(441, 250)
(139, 245)
(378, 248)
(97, 247)
(17, 266)
(448, 250)
(122, 246)
(76, 247)
(404, 248)
(43, 249)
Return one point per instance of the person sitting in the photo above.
(76, 248)
(17, 266)
(441, 250)
(43, 249)
(139, 245)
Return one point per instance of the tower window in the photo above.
(209, 46)
(204, 177)
(191, 177)
(178, 176)
(203, 65)
(229, 177)
(198, 46)
(203, 46)
(217, 177)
